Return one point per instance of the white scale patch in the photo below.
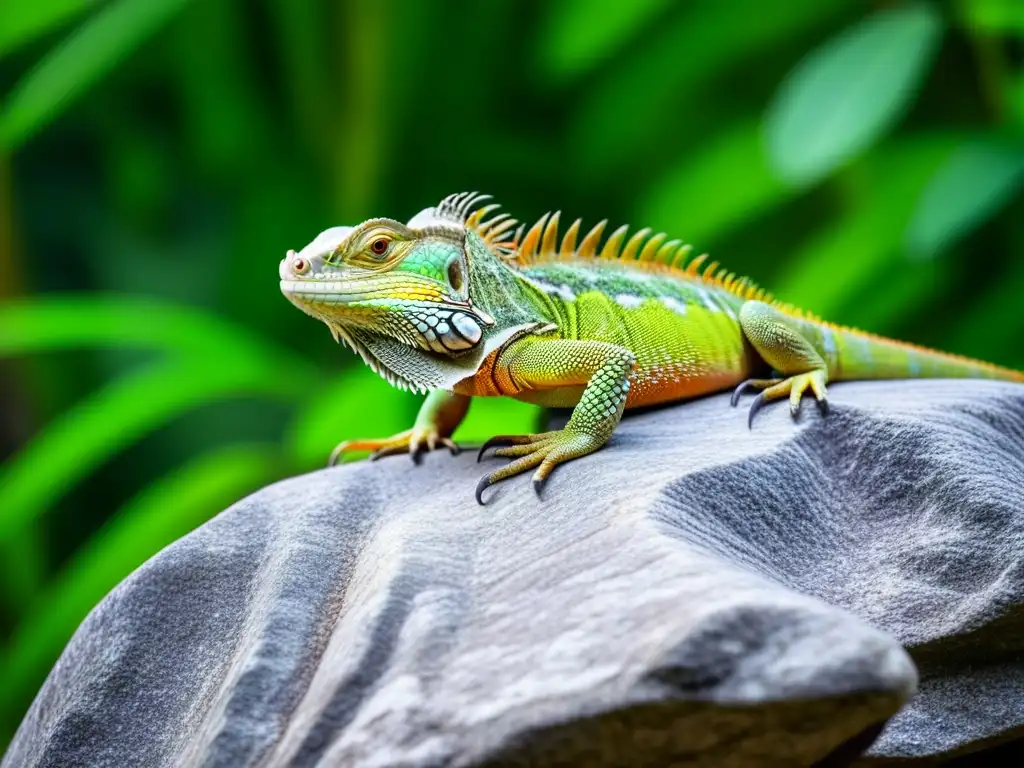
(564, 292)
(865, 350)
(709, 302)
(628, 302)
(829, 340)
(674, 304)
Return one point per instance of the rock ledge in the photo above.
(694, 593)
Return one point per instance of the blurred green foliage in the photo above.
(157, 157)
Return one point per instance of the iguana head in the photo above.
(423, 302)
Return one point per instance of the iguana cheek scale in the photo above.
(460, 302)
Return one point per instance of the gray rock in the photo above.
(695, 593)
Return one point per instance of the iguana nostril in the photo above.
(299, 265)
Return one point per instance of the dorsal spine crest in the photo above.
(522, 247)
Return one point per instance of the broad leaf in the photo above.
(714, 189)
(967, 189)
(87, 55)
(575, 35)
(67, 321)
(847, 93)
(92, 432)
(490, 416)
(848, 253)
(993, 16)
(656, 92)
(23, 20)
(358, 404)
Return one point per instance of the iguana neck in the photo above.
(511, 299)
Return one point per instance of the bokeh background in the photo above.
(157, 158)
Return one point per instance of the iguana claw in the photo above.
(750, 384)
(483, 485)
(775, 389)
(755, 406)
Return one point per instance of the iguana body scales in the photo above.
(461, 303)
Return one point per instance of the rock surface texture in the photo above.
(695, 593)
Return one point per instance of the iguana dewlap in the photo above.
(460, 303)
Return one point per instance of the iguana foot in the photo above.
(776, 389)
(413, 441)
(548, 449)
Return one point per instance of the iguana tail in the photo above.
(860, 355)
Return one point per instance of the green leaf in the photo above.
(699, 198)
(92, 432)
(23, 20)
(66, 321)
(24, 567)
(847, 93)
(162, 513)
(657, 89)
(78, 62)
(847, 254)
(888, 297)
(1013, 90)
(573, 37)
(490, 416)
(987, 325)
(358, 404)
(993, 16)
(965, 191)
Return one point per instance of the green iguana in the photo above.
(461, 303)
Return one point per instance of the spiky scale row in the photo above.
(644, 247)
(457, 207)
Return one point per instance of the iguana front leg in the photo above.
(439, 416)
(532, 364)
(779, 341)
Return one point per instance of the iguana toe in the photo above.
(544, 451)
(794, 387)
(413, 441)
(502, 442)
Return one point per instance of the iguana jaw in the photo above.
(401, 362)
(376, 305)
(404, 326)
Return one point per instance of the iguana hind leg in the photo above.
(778, 340)
(534, 364)
(439, 416)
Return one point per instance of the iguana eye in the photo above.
(455, 275)
(380, 246)
(300, 266)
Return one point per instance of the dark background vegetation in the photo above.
(157, 158)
